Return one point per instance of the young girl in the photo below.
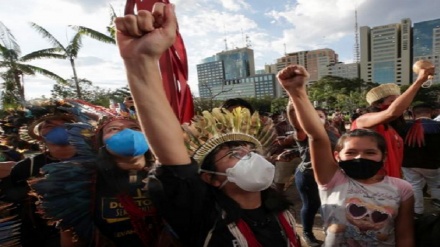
(361, 206)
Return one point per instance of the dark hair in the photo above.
(321, 110)
(378, 138)
(236, 102)
(399, 124)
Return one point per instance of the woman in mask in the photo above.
(123, 212)
(213, 184)
(49, 130)
(361, 206)
(385, 116)
(304, 179)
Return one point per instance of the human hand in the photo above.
(293, 76)
(147, 33)
(425, 74)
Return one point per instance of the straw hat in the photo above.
(382, 91)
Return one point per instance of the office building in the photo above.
(426, 39)
(344, 70)
(231, 74)
(386, 53)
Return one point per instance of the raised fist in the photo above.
(293, 76)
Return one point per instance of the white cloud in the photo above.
(234, 5)
(204, 24)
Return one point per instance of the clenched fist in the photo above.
(147, 33)
(293, 76)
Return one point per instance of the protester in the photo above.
(113, 207)
(386, 117)
(421, 160)
(127, 108)
(223, 205)
(304, 179)
(361, 206)
(356, 113)
(50, 132)
(338, 122)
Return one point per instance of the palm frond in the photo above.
(75, 45)
(94, 34)
(45, 34)
(8, 39)
(45, 53)
(25, 69)
(46, 73)
(8, 54)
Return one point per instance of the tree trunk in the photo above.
(19, 82)
(75, 78)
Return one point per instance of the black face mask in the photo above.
(360, 168)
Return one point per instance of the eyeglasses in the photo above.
(360, 211)
(240, 153)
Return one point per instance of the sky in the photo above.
(273, 28)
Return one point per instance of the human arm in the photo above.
(397, 107)
(293, 80)
(142, 39)
(299, 133)
(404, 224)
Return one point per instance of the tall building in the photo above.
(348, 70)
(231, 74)
(386, 53)
(237, 63)
(426, 38)
(315, 61)
(258, 86)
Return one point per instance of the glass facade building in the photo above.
(426, 38)
(231, 74)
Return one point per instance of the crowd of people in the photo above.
(138, 177)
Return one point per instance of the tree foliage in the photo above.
(14, 68)
(332, 92)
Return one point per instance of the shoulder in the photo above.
(403, 187)
(338, 179)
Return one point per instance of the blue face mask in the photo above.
(57, 136)
(127, 143)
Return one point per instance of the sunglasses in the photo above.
(360, 211)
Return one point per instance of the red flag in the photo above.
(173, 67)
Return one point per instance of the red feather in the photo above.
(173, 67)
(415, 135)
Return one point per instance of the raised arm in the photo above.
(142, 39)
(398, 107)
(299, 133)
(293, 80)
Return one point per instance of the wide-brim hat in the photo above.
(33, 129)
(381, 92)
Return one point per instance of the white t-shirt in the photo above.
(357, 214)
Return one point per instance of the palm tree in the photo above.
(111, 30)
(70, 51)
(15, 67)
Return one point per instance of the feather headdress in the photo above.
(211, 129)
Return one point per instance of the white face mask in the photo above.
(322, 121)
(253, 174)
